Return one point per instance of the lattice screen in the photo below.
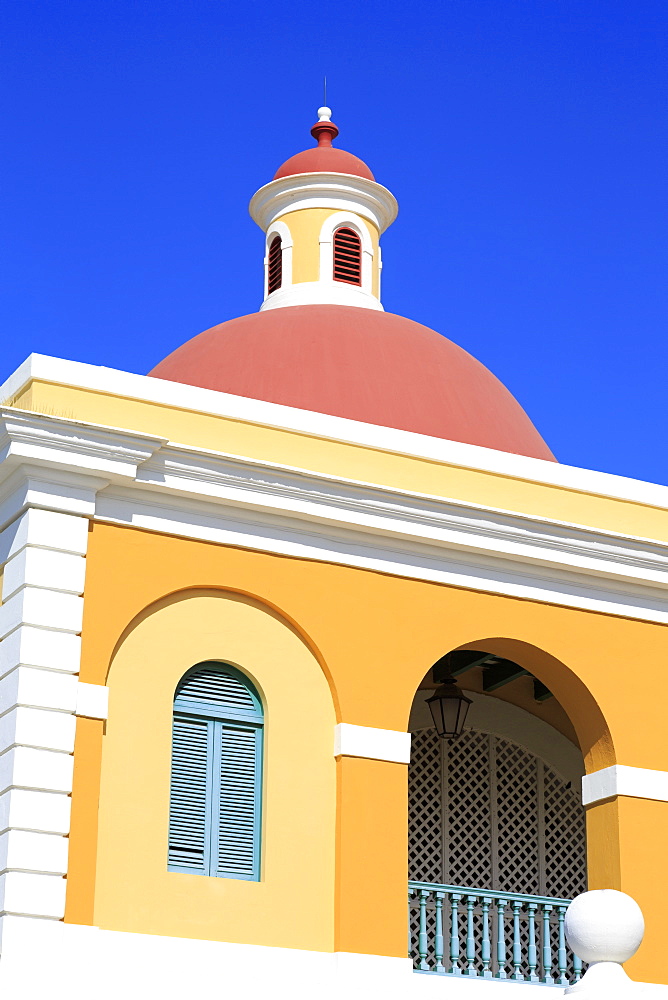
(486, 813)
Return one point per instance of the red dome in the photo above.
(329, 159)
(362, 364)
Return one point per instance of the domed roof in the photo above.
(328, 159)
(363, 364)
(324, 157)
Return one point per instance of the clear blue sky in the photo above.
(525, 141)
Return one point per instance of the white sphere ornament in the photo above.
(324, 114)
(604, 925)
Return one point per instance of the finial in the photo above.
(604, 927)
(324, 129)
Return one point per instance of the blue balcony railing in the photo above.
(460, 931)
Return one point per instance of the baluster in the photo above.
(532, 953)
(547, 946)
(438, 936)
(470, 936)
(517, 942)
(411, 893)
(486, 950)
(454, 934)
(422, 936)
(577, 968)
(562, 963)
(501, 939)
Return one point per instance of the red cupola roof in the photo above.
(324, 157)
(362, 364)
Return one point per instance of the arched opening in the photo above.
(497, 844)
(275, 265)
(347, 256)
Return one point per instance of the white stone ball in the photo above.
(324, 114)
(604, 925)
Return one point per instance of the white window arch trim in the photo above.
(329, 227)
(279, 229)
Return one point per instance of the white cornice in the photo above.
(307, 293)
(447, 453)
(339, 192)
(149, 483)
(31, 437)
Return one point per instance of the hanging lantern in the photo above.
(449, 707)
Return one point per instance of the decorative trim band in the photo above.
(621, 779)
(92, 700)
(374, 744)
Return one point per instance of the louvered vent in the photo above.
(347, 257)
(275, 277)
(213, 687)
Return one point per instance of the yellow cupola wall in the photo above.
(323, 215)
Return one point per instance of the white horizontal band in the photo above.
(620, 779)
(376, 744)
(92, 700)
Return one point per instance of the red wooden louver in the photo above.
(347, 257)
(275, 265)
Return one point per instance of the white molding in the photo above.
(40, 812)
(33, 894)
(622, 779)
(44, 568)
(313, 424)
(38, 647)
(333, 293)
(231, 500)
(340, 192)
(40, 622)
(375, 744)
(38, 770)
(92, 700)
(26, 437)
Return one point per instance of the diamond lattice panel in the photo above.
(425, 783)
(517, 818)
(468, 819)
(565, 856)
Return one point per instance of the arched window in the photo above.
(347, 256)
(214, 818)
(275, 275)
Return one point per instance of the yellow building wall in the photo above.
(349, 461)
(370, 638)
(305, 226)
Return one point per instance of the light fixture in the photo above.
(448, 705)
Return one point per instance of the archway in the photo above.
(496, 826)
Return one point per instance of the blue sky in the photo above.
(525, 141)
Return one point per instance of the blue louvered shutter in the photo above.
(214, 826)
(188, 820)
(238, 807)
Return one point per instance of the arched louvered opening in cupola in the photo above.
(347, 256)
(216, 783)
(275, 265)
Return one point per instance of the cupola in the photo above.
(323, 215)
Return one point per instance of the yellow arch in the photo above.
(133, 889)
